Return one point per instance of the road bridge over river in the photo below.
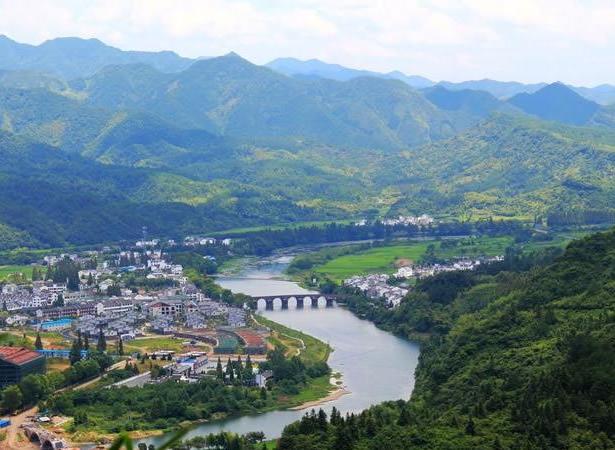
(46, 439)
(292, 301)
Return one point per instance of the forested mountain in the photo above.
(510, 166)
(514, 359)
(70, 58)
(230, 96)
(242, 141)
(499, 89)
(477, 103)
(557, 102)
(314, 68)
(51, 197)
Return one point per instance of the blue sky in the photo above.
(524, 40)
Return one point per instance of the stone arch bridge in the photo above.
(292, 301)
(45, 439)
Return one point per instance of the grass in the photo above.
(16, 340)
(315, 389)
(7, 271)
(382, 259)
(57, 364)
(315, 350)
(149, 345)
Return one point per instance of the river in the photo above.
(376, 366)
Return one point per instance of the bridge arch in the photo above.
(33, 436)
(47, 445)
(277, 303)
(261, 303)
(292, 302)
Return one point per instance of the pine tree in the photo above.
(86, 342)
(219, 371)
(229, 368)
(120, 347)
(90, 280)
(75, 352)
(38, 344)
(101, 345)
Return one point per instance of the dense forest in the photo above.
(514, 357)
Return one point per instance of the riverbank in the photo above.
(100, 427)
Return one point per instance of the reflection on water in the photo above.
(376, 365)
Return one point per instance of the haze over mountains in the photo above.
(97, 142)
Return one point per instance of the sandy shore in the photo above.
(334, 395)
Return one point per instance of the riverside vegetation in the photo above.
(515, 357)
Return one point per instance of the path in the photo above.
(12, 441)
(12, 431)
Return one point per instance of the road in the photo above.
(14, 442)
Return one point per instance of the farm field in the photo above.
(383, 259)
(378, 259)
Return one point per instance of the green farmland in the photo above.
(383, 259)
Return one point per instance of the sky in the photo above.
(521, 40)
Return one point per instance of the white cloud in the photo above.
(443, 39)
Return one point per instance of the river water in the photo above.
(376, 366)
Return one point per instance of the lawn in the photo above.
(149, 345)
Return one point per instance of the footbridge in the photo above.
(293, 301)
(44, 438)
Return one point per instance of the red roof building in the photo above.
(17, 362)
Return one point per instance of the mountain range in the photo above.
(204, 145)
(313, 68)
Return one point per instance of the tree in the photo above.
(12, 398)
(114, 290)
(120, 347)
(59, 301)
(101, 345)
(38, 344)
(33, 388)
(90, 281)
(86, 342)
(75, 352)
(219, 371)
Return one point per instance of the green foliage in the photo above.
(513, 358)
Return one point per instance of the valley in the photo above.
(215, 252)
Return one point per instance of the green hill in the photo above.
(557, 102)
(509, 166)
(230, 96)
(71, 57)
(515, 360)
(50, 197)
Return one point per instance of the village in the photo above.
(392, 288)
(131, 297)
